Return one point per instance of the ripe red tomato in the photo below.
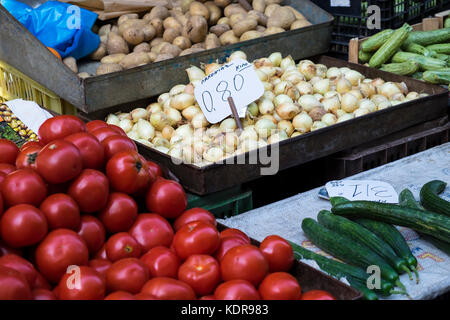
(60, 127)
(91, 230)
(231, 232)
(210, 297)
(103, 133)
(23, 186)
(92, 152)
(128, 274)
(95, 124)
(84, 283)
(246, 263)
(128, 172)
(60, 249)
(196, 238)
(236, 290)
(201, 272)
(226, 244)
(280, 286)
(120, 295)
(144, 296)
(7, 168)
(1, 200)
(167, 198)
(41, 282)
(116, 144)
(194, 214)
(43, 294)
(278, 253)
(61, 211)
(5, 249)
(169, 289)
(31, 143)
(122, 245)
(27, 158)
(90, 190)
(161, 262)
(8, 151)
(118, 129)
(101, 254)
(13, 285)
(151, 230)
(100, 265)
(21, 265)
(59, 161)
(155, 168)
(23, 225)
(317, 295)
(120, 212)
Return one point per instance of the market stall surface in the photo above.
(284, 217)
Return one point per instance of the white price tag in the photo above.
(362, 190)
(236, 79)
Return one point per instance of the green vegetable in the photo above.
(426, 38)
(417, 75)
(441, 245)
(430, 199)
(363, 236)
(376, 41)
(447, 22)
(425, 63)
(437, 76)
(361, 287)
(442, 57)
(336, 200)
(431, 223)
(406, 199)
(417, 48)
(402, 68)
(347, 250)
(364, 56)
(443, 48)
(387, 50)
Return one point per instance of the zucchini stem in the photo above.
(405, 268)
(399, 292)
(399, 284)
(416, 273)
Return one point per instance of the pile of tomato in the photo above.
(84, 216)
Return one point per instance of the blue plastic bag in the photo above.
(61, 26)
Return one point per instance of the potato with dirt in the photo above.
(105, 68)
(133, 36)
(196, 29)
(116, 44)
(134, 59)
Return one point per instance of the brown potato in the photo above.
(164, 56)
(260, 17)
(116, 44)
(126, 17)
(260, 29)
(244, 26)
(170, 34)
(131, 23)
(233, 9)
(143, 47)
(185, 4)
(228, 38)
(115, 29)
(172, 23)
(196, 29)
(199, 9)
(237, 17)
(156, 49)
(105, 68)
(98, 54)
(297, 24)
(190, 51)
(273, 30)
(297, 14)
(156, 41)
(252, 34)
(104, 39)
(201, 45)
(182, 42)
(113, 58)
(169, 48)
(152, 56)
(269, 2)
(149, 32)
(259, 5)
(158, 12)
(212, 41)
(104, 30)
(215, 13)
(159, 27)
(71, 62)
(135, 59)
(222, 3)
(281, 17)
(219, 29)
(224, 20)
(270, 8)
(133, 36)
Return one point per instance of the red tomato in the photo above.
(236, 290)
(27, 158)
(23, 225)
(7, 168)
(13, 285)
(168, 289)
(61, 211)
(120, 295)
(43, 294)
(1, 201)
(41, 282)
(31, 143)
(92, 152)
(151, 230)
(128, 172)
(116, 144)
(103, 133)
(8, 151)
(201, 272)
(122, 245)
(278, 253)
(90, 190)
(144, 296)
(120, 212)
(196, 238)
(91, 230)
(246, 263)
(231, 232)
(194, 214)
(128, 274)
(100, 265)
(280, 286)
(101, 254)
(161, 262)
(23, 186)
(60, 249)
(59, 161)
(83, 283)
(21, 265)
(60, 127)
(5, 249)
(167, 198)
(317, 295)
(226, 244)
(118, 129)
(155, 168)
(210, 297)
(2, 177)
(95, 124)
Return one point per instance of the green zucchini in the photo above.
(430, 199)
(402, 68)
(433, 224)
(426, 38)
(364, 56)
(387, 50)
(443, 48)
(406, 199)
(447, 22)
(363, 236)
(417, 75)
(376, 41)
(437, 76)
(346, 250)
(443, 57)
(425, 63)
(336, 200)
(361, 287)
(417, 48)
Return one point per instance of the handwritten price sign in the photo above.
(236, 79)
(362, 190)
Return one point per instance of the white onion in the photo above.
(271, 117)
(349, 102)
(163, 97)
(308, 69)
(145, 142)
(308, 102)
(162, 149)
(113, 119)
(161, 142)
(384, 105)
(199, 120)
(133, 134)
(287, 62)
(184, 130)
(228, 124)
(302, 123)
(281, 98)
(345, 117)
(305, 88)
(248, 145)
(318, 125)
(378, 98)
(173, 116)
(286, 126)
(329, 119)
(321, 70)
(388, 89)
(412, 95)
(167, 132)
(287, 110)
(269, 95)
(333, 73)
(367, 89)
(195, 73)
(237, 55)
(248, 133)
(295, 134)
(126, 125)
(367, 104)
(277, 137)
(179, 88)
(253, 109)
(267, 86)
(361, 112)
(158, 120)
(145, 129)
(261, 75)
(322, 86)
(270, 71)
(213, 154)
(293, 77)
(343, 86)
(275, 58)
(154, 107)
(265, 106)
(264, 127)
(190, 112)
(354, 77)
(182, 101)
(139, 113)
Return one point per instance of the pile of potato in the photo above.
(191, 27)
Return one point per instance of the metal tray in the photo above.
(22, 50)
(313, 145)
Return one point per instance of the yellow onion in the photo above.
(199, 120)
(173, 116)
(182, 101)
(322, 86)
(281, 98)
(264, 127)
(345, 117)
(287, 110)
(253, 109)
(388, 89)
(275, 58)
(333, 73)
(145, 129)
(321, 70)
(236, 55)
(367, 104)
(367, 89)
(213, 154)
(113, 119)
(286, 126)
(265, 106)
(167, 132)
(139, 113)
(179, 88)
(308, 69)
(343, 86)
(163, 97)
(228, 124)
(354, 77)
(126, 125)
(302, 122)
(287, 62)
(190, 112)
(194, 73)
(154, 107)
(308, 102)
(331, 104)
(277, 136)
(329, 119)
(361, 112)
(158, 120)
(384, 105)
(349, 102)
(318, 125)
(305, 88)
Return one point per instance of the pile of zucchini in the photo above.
(361, 234)
(424, 55)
